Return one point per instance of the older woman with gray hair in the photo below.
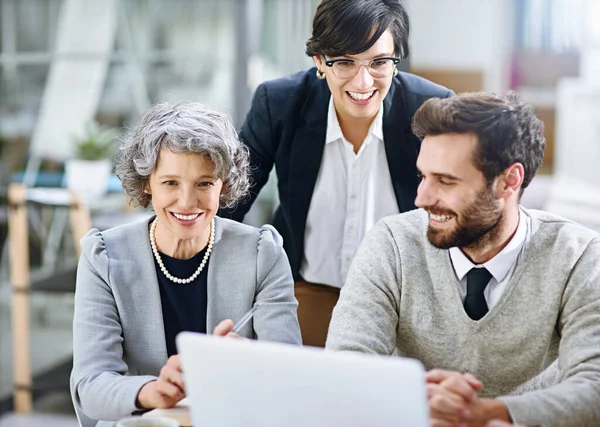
(183, 269)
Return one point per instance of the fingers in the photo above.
(473, 381)
(450, 395)
(458, 385)
(170, 387)
(234, 335)
(444, 423)
(171, 374)
(223, 328)
(446, 406)
(169, 393)
(158, 394)
(174, 362)
(498, 423)
(437, 376)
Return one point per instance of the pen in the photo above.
(245, 318)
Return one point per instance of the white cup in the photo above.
(147, 422)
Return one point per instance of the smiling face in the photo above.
(360, 97)
(185, 198)
(463, 209)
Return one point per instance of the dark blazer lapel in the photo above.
(306, 154)
(401, 146)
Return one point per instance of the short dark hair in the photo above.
(348, 27)
(506, 127)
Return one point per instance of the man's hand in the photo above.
(498, 423)
(224, 328)
(436, 376)
(450, 395)
(453, 401)
(485, 410)
(165, 391)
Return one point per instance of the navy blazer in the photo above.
(286, 127)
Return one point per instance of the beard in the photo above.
(477, 225)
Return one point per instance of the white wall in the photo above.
(463, 34)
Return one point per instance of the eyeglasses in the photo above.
(347, 68)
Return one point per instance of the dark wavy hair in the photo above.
(348, 27)
(506, 127)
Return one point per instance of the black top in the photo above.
(183, 305)
(286, 129)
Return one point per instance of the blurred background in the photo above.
(75, 74)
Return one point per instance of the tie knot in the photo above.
(477, 280)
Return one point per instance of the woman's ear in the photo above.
(318, 62)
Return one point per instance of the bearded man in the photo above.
(486, 294)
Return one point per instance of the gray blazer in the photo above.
(118, 331)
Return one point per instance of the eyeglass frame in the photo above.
(330, 63)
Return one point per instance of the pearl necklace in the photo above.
(168, 275)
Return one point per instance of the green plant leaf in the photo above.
(96, 143)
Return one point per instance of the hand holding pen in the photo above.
(227, 328)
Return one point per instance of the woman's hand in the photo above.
(167, 390)
(224, 328)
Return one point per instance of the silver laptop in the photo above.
(247, 383)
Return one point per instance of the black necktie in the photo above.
(475, 305)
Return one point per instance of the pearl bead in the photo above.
(159, 261)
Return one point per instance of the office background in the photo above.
(66, 62)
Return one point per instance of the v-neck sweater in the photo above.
(401, 298)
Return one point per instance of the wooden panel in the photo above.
(537, 68)
(457, 80)
(18, 234)
(547, 115)
(80, 220)
(18, 229)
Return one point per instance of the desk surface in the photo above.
(179, 413)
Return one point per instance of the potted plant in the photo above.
(89, 171)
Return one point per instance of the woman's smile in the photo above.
(186, 219)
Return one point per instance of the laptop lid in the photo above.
(248, 383)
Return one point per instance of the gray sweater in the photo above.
(401, 297)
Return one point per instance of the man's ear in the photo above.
(511, 181)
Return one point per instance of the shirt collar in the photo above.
(334, 131)
(500, 265)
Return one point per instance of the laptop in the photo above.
(248, 383)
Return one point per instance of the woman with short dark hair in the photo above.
(339, 136)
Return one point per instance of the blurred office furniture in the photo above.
(575, 199)
(578, 123)
(537, 194)
(461, 38)
(20, 201)
(84, 42)
(576, 192)
(457, 80)
(550, 37)
(536, 75)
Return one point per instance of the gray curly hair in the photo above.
(184, 128)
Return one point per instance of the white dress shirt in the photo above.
(501, 267)
(352, 192)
